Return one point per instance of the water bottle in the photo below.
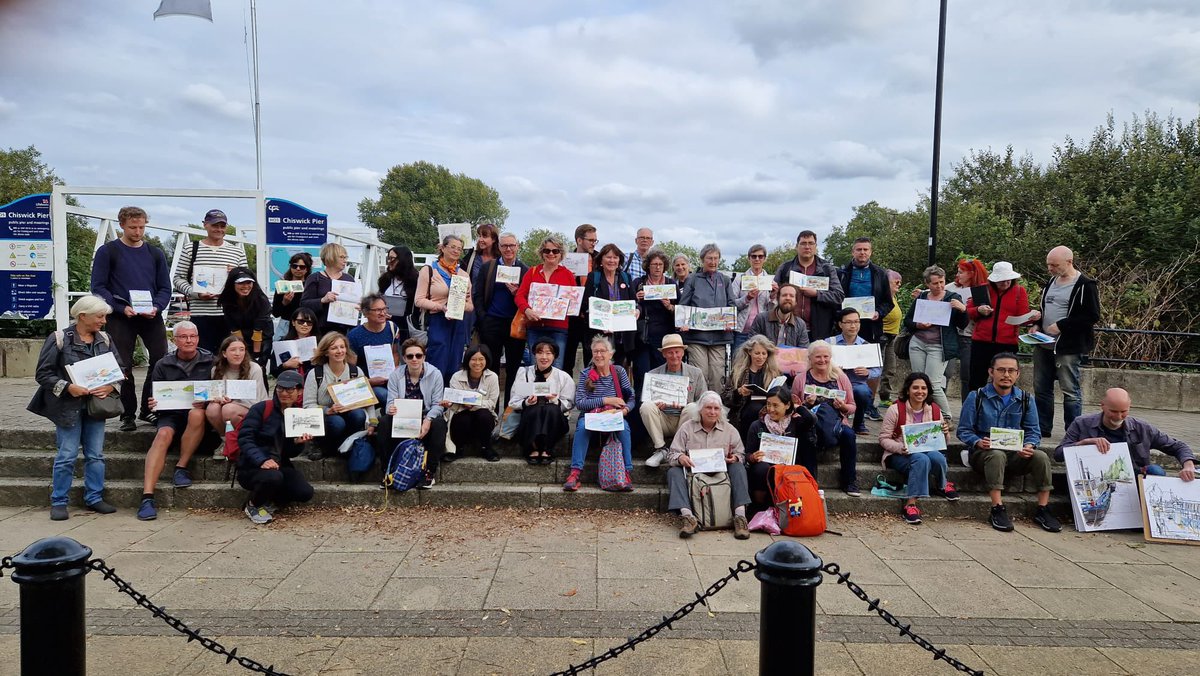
(228, 426)
(824, 507)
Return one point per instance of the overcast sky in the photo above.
(726, 121)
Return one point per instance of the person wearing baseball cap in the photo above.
(208, 256)
(265, 459)
(663, 418)
(993, 334)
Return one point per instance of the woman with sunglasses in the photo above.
(757, 301)
(284, 305)
(447, 335)
(420, 380)
(301, 326)
(398, 286)
(550, 271)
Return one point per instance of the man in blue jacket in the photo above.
(1002, 404)
(1113, 425)
(125, 271)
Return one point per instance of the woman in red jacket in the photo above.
(551, 271)
(993, 334)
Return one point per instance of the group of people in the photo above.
(734, 393)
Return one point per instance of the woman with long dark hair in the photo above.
(247, 312)
(398, 286)
(914, 405)
(781, 417)
(301, 326)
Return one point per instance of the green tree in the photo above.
(673, 248)
(531, 244)
(22, 173)
(415, 198)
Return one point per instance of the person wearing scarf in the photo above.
(447, 336)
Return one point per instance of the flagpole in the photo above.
(257, 112)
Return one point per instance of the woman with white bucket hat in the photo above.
(993, 334)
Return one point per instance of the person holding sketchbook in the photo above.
(318, 288)
(1001, 405)
(447, 335)
(933, 345)
(265, 462)
(815, 307)
(380, 334)
(189, 362)
(550, 271)
(603, 386)
(248, 313)
(708, 288)
(754, 369)
(913, 406)
(473, 423)
(751, 303)
(657, 318)
(861, 277)
(1070, 309)
(610, 282)
(831, 411)
(711, 430)
(543, 417)
(422, 384)
(993, 333)
(660, 418)
(849, 321)
(65, 404)
(331, 366)
(215, 255)
(496, 306)
(782, 418)
(300, 326)
(1113, 425)
(233, 363)
(285, 303)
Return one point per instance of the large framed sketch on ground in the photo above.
(1103, 493)
(1170, 509)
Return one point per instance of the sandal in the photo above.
(533, 459)
(547, 458)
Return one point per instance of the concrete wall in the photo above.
(18, 356)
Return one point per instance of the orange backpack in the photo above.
(797, 503)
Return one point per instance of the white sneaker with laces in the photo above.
(656, 459)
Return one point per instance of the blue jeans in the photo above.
(1155, 470)
(380, 394)
(338, 426)
(738, 339)
(1063, 368)
(916, 467)
(579, 444)
(863, 398)
(557, 336)
(89, 432)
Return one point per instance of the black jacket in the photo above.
(51, 399)
(262, 439)
(481, 293)
(802, 428)
(1077, 333)
(872, 329)
(172, 369)
(597, 285)
(826, 304)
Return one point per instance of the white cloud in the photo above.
(358, 178)
(772, 26)
(6, 106)
(618, 197)
(758, 188)
(208, 97)
(850, 159)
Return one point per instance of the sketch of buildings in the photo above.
(1172, 508)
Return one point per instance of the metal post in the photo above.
(937, 137)
(787, 625)
(51, 574)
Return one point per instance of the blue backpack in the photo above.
(406, 467)
(361, 456)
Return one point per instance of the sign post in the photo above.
(27, 258)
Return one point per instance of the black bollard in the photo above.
(789, 574)
(51, 574)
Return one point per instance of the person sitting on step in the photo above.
(473, 423)
(711, 430)
(659, 418)
(265, 457)
(912, 406)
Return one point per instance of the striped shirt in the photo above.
(605, 387)
(225, 256)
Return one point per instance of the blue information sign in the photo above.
(292, 229)
(26, 258)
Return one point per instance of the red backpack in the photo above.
(232, 451)
(902, 416)
(797, 503)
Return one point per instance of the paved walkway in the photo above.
(359, 591)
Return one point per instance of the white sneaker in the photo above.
(656, 459)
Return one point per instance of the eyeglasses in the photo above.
(591, 240)
(851, 321)
(377, 309)
(757, 256)
(307, 322)
(283, 388)
(392, 259)
(1004, 370)
(414, 355)
(551, 252)
(508, 246)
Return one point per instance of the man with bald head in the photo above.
(1070, 308)
(641, 246)
(1113, 424)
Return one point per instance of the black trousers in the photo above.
(280, 486)
(212, 330)
(434, 441)
(494, 333)
(473, 428)
(125, 331)
(578, 335)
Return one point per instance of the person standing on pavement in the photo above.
(816, 308)
(1113, 425)
(212, 251)
(65, 404)
(1001, 404)
(1070, 310)
(122, 266)
(495, 307)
